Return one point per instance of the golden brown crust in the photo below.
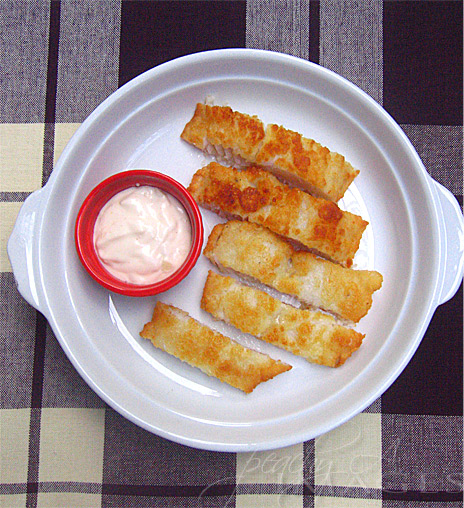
(261, 255)
(220, 126)
(299, 161)
(258, 197)
(175, 332)
(312, 166)
(315, 336)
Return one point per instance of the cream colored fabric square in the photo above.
(21, 156)
(13, 501)
(14, 436)
(8, 214)
(63, 133)
(345, 502)
(284, 465)
(351, 455)
(71, 445)
(69, 500)
(268, 501)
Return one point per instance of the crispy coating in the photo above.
(257, 196)
(305, 163)
(222, 127)
(174, 331)
(262, 256)
(243, 139)
(315, 336)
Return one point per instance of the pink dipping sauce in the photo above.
(142, 235)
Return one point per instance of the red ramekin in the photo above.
(95, 201)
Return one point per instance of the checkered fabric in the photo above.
(60, 445)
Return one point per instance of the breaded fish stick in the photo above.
(262, 256)
(174, 331)
(257, 196)
(315, 336)
(230, 136)
(243, 140)
(305, 164)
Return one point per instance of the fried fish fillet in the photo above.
(241, 140)
(304, 163)
(262, 256)
(174, 331)
(315, 336)
(231, 136)
(257, 196)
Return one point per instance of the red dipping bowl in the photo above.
(95, 201)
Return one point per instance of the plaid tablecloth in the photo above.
(60, 445)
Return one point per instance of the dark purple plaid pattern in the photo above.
(60, 444)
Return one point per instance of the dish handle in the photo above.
(452, 243)
(21, 248)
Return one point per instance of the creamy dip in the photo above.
(142, 235)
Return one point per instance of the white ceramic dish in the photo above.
(408, 241)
